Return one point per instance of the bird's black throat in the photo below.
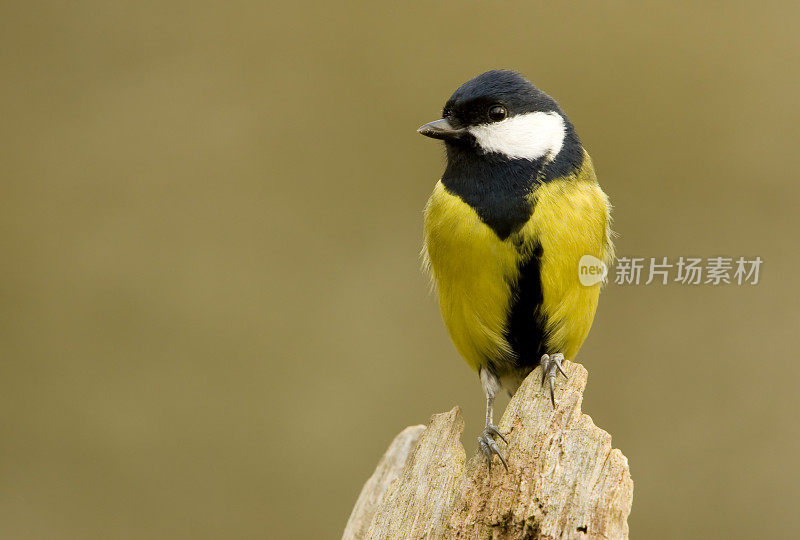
(497, 187)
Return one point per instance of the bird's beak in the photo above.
(441, 129)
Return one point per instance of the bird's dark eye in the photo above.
(497, 113)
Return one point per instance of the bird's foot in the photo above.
(551, 365)
(488, 445)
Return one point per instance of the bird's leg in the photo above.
(551, 365)
(486, 442)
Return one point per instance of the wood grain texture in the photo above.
(420, 501)
(564, 479)
(389, 468)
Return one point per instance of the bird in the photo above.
(505, 229)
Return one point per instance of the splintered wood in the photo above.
(564, 479)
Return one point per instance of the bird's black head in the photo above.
(501, 115)
(503, 137)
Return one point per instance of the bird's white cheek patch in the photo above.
(525, 136)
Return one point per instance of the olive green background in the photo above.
(213, 316)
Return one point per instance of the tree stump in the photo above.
(564, 479)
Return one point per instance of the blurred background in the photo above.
(213, 315)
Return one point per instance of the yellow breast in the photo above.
(475, 272)
(571, 219)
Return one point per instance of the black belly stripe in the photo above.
(525, 330)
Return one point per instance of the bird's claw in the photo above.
(551, 366)
(488, 445)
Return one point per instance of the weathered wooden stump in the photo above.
(564, 478)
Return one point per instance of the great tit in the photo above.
(516, 209)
